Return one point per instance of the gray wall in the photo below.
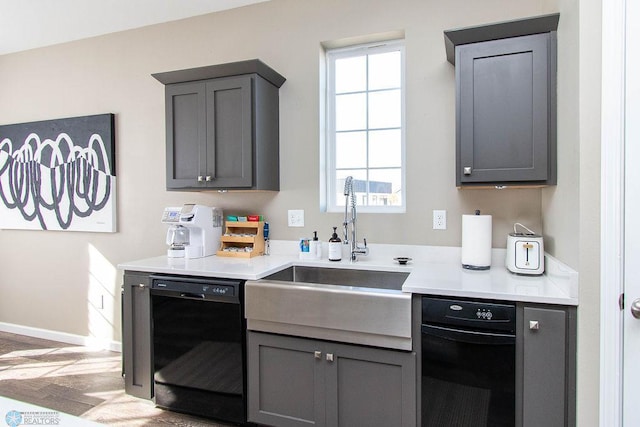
(56, 280)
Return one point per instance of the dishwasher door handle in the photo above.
(468, 336)
(190, 295)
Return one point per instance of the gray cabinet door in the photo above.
(505, 103)
(229, 150)
(210, 134)
(136, 336)
(186, 134)
(544, 367)
(285, 381)
(299, 382)
(370, 387)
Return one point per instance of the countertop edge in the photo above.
(537, 299)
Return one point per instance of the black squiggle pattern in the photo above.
(76, 182)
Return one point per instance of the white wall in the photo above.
(54, 280)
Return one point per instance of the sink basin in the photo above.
(392, 280)
(355, 306)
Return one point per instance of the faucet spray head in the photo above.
(348, 185)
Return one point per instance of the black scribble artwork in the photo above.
(56, 172)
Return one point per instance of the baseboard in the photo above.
(61, 337)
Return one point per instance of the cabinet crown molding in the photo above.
(499, 30)
(251, 66)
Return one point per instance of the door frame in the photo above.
(612, 211)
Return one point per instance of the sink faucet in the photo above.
(355, 248)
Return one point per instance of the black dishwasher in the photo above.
(199, 346)
(468, 363)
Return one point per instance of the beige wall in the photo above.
(54, 280)
(560, 203)
(589, 220)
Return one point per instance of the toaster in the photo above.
(525, 253)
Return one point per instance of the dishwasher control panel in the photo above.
(197, 288)
(194, 287)
(469, 314)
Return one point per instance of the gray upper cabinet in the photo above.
(222, 125)
(505, 102)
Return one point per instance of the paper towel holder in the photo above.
(471, 247)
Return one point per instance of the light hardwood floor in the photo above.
(79, 381)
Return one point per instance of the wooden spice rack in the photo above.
(241, 235)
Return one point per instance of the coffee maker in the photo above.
(194, 231)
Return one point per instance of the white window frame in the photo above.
(327, 166)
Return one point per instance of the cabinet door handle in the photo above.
(200, 178)
(208, 178)
(317, 354)
(466, 170)
(329, 357)
(534, 325)
(141, 285)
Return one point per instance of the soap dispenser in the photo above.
(315, 247)
(335, 246)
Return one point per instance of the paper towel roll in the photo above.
(476, 242)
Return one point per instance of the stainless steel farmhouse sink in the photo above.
(356, 306)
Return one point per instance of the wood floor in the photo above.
(79, 381)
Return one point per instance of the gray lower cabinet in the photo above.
(136, 335)
(546, 352)
(300, 382)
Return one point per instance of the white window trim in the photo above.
(327, 140)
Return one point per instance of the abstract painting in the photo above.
(59, 175)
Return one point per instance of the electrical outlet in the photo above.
(295, 217)
(439, 220)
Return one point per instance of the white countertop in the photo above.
(212, 266)
(433, 270)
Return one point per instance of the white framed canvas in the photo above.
(59, 174)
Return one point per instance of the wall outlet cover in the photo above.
(439, 220)
(295, 217)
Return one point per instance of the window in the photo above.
(365, 126)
